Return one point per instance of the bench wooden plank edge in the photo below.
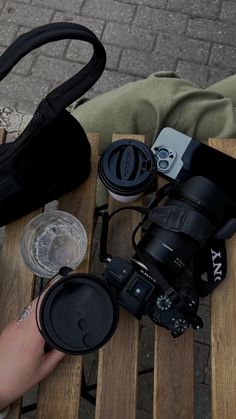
(118, 359)
(223, 315)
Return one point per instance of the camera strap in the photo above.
(209, 266)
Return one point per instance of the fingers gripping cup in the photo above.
(127, 168)
(77, 314)
(52, 240)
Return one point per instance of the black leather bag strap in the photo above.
(63, 95)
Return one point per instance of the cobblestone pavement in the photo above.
(195, 38)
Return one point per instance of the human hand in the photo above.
(23, 362)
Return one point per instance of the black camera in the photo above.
(139, 293)
(79, 312)
(150, 283)
(180, 157)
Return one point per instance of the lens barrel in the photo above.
(203, 195)
(199, 204)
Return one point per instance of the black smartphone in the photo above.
(180, 157)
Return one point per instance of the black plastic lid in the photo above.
(78, 314)
(127, 167)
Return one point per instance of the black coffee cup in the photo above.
(77, 314)
(127, 168)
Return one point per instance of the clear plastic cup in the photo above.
(52, 240)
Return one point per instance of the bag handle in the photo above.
(63, 95)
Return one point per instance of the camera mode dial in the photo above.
(163, 302)
(180, 325)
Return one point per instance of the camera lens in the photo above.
(163, 164)
(189, 217)
(162, 153)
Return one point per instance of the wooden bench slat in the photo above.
(3, 135)
(173, 375)
(59, 394)
(17, 282)
(118, 359)
(173, 389)
(223, 315)
(117, 372)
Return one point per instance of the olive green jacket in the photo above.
(162, 100)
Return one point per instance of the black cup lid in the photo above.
(127, 167)
(78, 314)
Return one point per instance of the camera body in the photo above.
(138, 292)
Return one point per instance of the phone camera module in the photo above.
(165, 158)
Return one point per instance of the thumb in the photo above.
(51, 360)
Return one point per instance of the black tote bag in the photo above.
(52, 155)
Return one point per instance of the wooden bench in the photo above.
(172, 383)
